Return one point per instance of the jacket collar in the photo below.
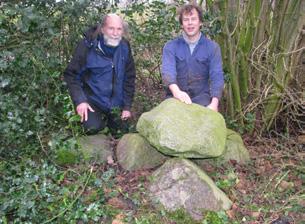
(200, 41)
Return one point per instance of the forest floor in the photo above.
(270, 189)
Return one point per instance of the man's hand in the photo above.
(214, 104)
(125, 115)
(180, 95)
(82, 111)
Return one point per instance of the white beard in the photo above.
(112, 42)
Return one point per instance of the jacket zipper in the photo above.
(113, 79)
(113, 73)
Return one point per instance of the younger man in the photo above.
(191, 64)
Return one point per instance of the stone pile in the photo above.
(174, 134)
(176, 138)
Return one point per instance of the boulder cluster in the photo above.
(172, 137)
(175, 138)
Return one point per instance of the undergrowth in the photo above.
(37, 118)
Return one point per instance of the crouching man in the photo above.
(191, 64)
(101, 76)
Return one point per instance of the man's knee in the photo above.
(94, 124)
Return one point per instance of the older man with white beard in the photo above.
(101, 76)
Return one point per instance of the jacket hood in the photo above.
(92, 33)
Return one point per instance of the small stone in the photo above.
(134, 152)
(96, 148)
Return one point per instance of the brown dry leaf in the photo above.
(268, 166)
(242, 184)
(286, 185)
(120, 178)
(117, 203)
(231, 214)
(298, 183)
(260, 169)
(107, 190)
(208, 167)
(301, 139)
(235, 207)
(302, 203)
(110, 160)
(115, 221)
(255, 214)
(118, 219)
(241, 190)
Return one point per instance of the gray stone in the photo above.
(96, 148)
(234, 149)
(180, 184)
(188, 131)
(134, 152)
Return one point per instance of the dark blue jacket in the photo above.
(93, 77)
(199, 74)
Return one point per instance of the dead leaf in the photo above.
(234, 206)
(118, 203)
(255, 214)
(231, 214)
(107, 190)
(110, 160)
(268, 166)
(301, 139)
(302, 203)
(298, 183)
(118, 219)
(242, 184)
(286, 185)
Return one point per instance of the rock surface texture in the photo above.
(187, 131)
(134, 152)
(180, 184)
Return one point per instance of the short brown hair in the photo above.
(187, 9)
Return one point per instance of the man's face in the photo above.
(191, 23)
(113, 31)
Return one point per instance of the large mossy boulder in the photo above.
(180, 184)
(134, 152)
(188, 131)
(96, 148)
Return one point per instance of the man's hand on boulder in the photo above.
(82, 111)
(180, 95)
(183, 97)
(125, 115)
(214, 104)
